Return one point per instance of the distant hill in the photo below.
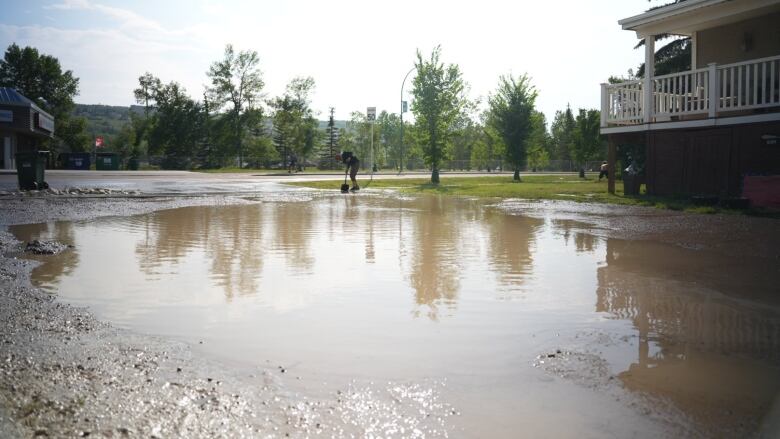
(107, 120)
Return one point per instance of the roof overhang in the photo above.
(691, 16)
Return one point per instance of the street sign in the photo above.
(371, 113)
(404, 107)
(99, 142)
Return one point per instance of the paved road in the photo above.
(185, 182)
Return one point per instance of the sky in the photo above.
(358, 52)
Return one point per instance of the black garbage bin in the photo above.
(30, 170)
(631, 183)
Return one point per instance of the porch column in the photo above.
(713, 92)
(604, 105)
(647, 88)
(611, 157)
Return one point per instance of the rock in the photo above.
(45, 247)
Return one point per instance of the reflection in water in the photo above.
(53, 268)
(438, 254)
(329, 283)
(583, 242)
(510, 244)
(712, 355)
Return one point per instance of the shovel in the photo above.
(345, 186)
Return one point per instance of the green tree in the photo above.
(562, 134)
(588, 141)
(177, 126)
(236, 81)
(124, 142)
(329, 149)
(389, 125)
(510, 114)
(438, 102)
(538, 142)
(40, 78)
(295, 128)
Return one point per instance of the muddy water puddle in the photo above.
(509, 323)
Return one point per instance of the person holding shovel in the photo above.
(352, 164)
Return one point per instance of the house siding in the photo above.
(709, 161)
(724, 44)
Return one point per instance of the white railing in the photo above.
(749, 84)
(681, 93)
(740, 86)
(623, 103)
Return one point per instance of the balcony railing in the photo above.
(737, 87)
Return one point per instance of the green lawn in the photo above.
(532, 187)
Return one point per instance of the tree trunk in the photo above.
(435, 176)
(516, 177)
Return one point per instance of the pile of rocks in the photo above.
(46, 247)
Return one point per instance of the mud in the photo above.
(66, 373)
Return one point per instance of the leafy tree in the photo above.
(144, 94)
(588, 141)
(360, 128)
(124, 142)
(562, 134)
(510, 114)
(438, 102)
(177, 126)
(41, 79)
(538, 142)
(295, 127)
(236, 81)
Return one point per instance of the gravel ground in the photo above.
(65, 374)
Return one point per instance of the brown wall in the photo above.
(723, 45)
(709, 161)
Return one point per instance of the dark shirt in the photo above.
(351, 161)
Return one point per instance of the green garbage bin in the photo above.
(29, 170)
(132, 163)
(106, 161)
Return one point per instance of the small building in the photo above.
(23, 125)
(713, 130)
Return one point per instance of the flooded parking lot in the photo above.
(515, 322)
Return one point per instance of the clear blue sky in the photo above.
(357, 51)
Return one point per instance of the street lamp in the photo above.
(403, 109)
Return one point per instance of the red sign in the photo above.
(99, 142)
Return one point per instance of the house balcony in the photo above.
(727, 94)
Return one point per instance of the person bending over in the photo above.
(352, 164)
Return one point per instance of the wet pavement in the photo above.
(491, 318)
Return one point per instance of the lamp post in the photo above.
(401, 161)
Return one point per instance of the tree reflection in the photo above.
(716, 358)
(509, 246)
(436, 256)
(230, 235)
(292, 228)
